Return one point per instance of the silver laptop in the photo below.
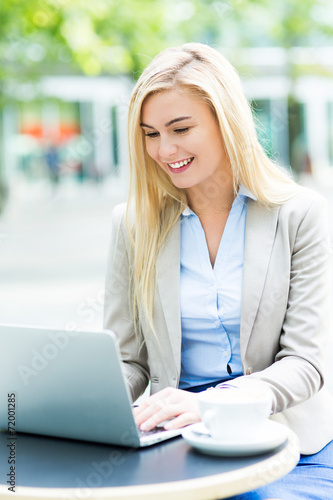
(67, 384)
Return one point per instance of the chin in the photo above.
(182, 185)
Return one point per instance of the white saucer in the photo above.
(270, 436)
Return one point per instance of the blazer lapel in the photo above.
(168, 283)
(260, 232)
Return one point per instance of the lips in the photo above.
(180, 166)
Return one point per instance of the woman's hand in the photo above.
(180, 406)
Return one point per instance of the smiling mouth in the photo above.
(180, 164)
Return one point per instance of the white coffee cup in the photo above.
(234, 414)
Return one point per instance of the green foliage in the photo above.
(112, 36)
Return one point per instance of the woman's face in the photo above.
(183, 137)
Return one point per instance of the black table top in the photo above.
(46, 462)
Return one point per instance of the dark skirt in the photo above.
(311, 479)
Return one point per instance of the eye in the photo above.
(182, 130)
(152, 135)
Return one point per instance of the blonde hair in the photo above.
(202, 72)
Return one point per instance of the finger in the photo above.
(137, 410)
(162, 394)
(182, 420)
(142, 409)
(161, 416)
(148, 407)
(156, 418)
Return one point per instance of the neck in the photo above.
(218, 200)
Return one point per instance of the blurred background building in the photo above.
(66, 73)
(67, 69)
(76, 129)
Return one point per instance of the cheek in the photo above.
(151, 149)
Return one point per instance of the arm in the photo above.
(296, 373)
(118, 311)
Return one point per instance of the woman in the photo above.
(219, 263)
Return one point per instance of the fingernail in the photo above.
(145, 426)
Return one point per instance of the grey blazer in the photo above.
(285, 317)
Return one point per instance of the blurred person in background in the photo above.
(52, 159)
(219, 263)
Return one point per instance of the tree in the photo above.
(109, 36)
(39, 37)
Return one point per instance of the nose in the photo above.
(167, 148)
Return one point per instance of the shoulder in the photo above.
(122, 223)
(305, 202)
(306, 212)
(303, 220)
(118, 224)
(307, 207)
(119, 212)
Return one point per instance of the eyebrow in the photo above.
(175, 120)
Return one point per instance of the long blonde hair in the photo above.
(202, 72)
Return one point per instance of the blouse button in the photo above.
(217, 323)
(249, 370)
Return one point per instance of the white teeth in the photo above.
(180, 164)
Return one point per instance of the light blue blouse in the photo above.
(210, 298)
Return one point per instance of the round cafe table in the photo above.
(52, 468)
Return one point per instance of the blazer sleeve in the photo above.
(118, 315)
(297, 371)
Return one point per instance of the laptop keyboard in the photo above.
(153, 431)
